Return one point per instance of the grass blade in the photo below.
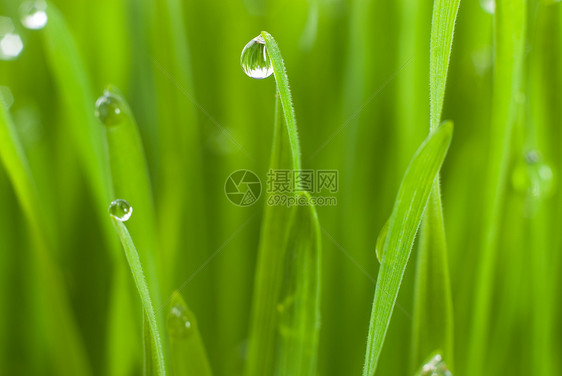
(442, 26)
(268, 278)
(284, 91)
(133, 259)
(66, 345)
(510, 30)
(299, 306)
(406, 216)
(188, 354)
(433, 306)
(279, 251)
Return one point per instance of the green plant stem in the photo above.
(66, 345)
(144, 293)
(284, 91)
(510, 25)
(410, 204)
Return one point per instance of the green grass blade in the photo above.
(433, 307)
(442, 26)
(510, 30)
(406, 216)
(270, 273)
(187, 351)
(269, 269)
(76, 91)
(133, 259)
(130, 178)
(284, 91)
(148, 346)
(64, 339)
(299, 307)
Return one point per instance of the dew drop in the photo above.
(255, 60)
(34, 14)
(180, 323)
(532, 176)
(489, 6)
(109, 109)
(11, 44)
(435, 367)
(120, 210)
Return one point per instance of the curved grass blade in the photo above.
(129, 172)
(66, 345)
(284, 91)
(433, 306)
(509, 50)
(272, 278)
(406, 216)
(187, 351)
(157, 351)
(299, 307)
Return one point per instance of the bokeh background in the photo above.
(359, 77)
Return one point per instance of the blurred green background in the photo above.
(359, 74)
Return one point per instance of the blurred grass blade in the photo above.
(410, 204)
(133, 259)
(299, 305)
(442, 26)
(510, 31)
(433, 306)
(64, 339)
(187, 351)
(76, 91)
(284, 91)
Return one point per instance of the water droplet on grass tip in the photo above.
(120, 210)
(435, 367)
(180, 324)
(255, 60)
(109, 109)
(34, 14)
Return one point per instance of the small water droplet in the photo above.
(532, 176)
(435, 367)
(11, 44)
(34, 14)
(180, 324)
(255, 60)
(120, 210)
(109, 109)
(489, 6)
